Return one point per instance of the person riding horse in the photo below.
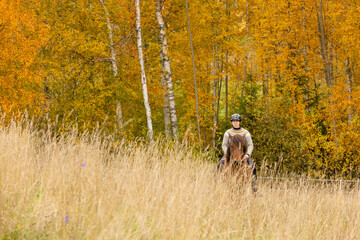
(235, 120)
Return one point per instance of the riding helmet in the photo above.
(235, 117)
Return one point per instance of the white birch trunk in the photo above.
(167, 69)
(142, 71)
(112, 49)
(167, 121)
(113, 65)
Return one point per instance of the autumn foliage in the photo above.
(291, 68)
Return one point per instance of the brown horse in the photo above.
(234, 165)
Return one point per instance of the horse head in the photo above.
(236, 149)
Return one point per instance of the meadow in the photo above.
(89, 187)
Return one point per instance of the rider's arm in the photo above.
(249, 143)
(225, 142)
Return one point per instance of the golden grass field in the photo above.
(82, 188)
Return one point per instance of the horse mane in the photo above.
(237, 140)
(227, 155)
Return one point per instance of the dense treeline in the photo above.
(290, 68)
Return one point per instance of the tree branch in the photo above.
(92, 60)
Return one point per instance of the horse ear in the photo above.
(231, 137)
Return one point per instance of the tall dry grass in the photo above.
(84, 188)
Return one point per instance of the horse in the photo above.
(233, 165)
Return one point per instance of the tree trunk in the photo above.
(193, 63)
(266, 78)
(112, 49)
(167, 70)
(216, 75)
(226, 70)
(218, 101)
(167, 121)
(226, 86)
(328, 69)
(348, 89)
(142, 71)
(113, 66)
(120, 117)
(305, 56)
(246, 39)
(324, 48)
(215, 84)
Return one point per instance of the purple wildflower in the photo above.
(83, 164)
(66, 219)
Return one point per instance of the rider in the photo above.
(237, 130)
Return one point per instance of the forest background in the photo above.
(290, 68)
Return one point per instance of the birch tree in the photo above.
(348, 67)
(324, 48)
(113, 64)
(226, 66)
(166, 110)
(169, 92)
(328, 65)
(246, 41)
(142, 71)
(215, 73)
(304, 50)
(194, 74)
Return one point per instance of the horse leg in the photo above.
(253, 174)
(220, 165)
